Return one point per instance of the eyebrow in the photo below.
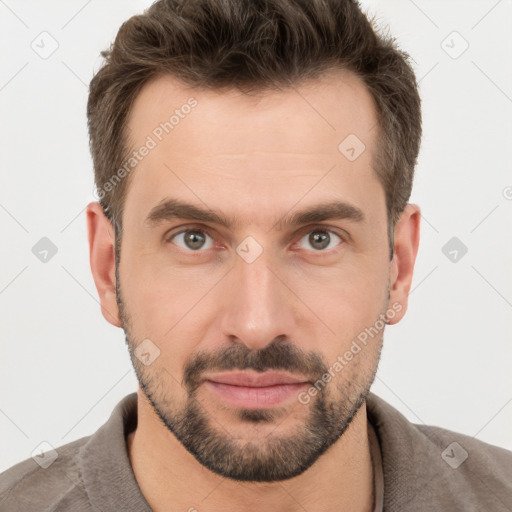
(172, 208)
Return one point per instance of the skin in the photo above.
(258, 159)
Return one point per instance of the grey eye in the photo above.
(320, 239)
(192, 239)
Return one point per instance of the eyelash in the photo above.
(186, 229)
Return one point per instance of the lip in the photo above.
(255, 391)
(255, 380)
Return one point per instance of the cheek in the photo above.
(166, 303)
(348, 297)
(156, 291)
(351, 305)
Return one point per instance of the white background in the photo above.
(448, 363)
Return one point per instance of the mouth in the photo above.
(255, 391)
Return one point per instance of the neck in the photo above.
(341, 479)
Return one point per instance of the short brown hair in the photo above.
(253, 46)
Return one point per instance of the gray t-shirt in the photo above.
(424, 468)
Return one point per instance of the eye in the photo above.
(322, 239)
(192, 240)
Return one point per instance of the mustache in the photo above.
(277, 355)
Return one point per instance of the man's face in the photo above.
(261, 295)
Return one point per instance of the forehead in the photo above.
(336, 102)
(263, 149)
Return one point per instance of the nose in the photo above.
(259, 306)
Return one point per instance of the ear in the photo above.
(102, 260)
(407, 238)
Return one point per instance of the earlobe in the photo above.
(407, 237)
(102, 261)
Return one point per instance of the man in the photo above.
(254, 162)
